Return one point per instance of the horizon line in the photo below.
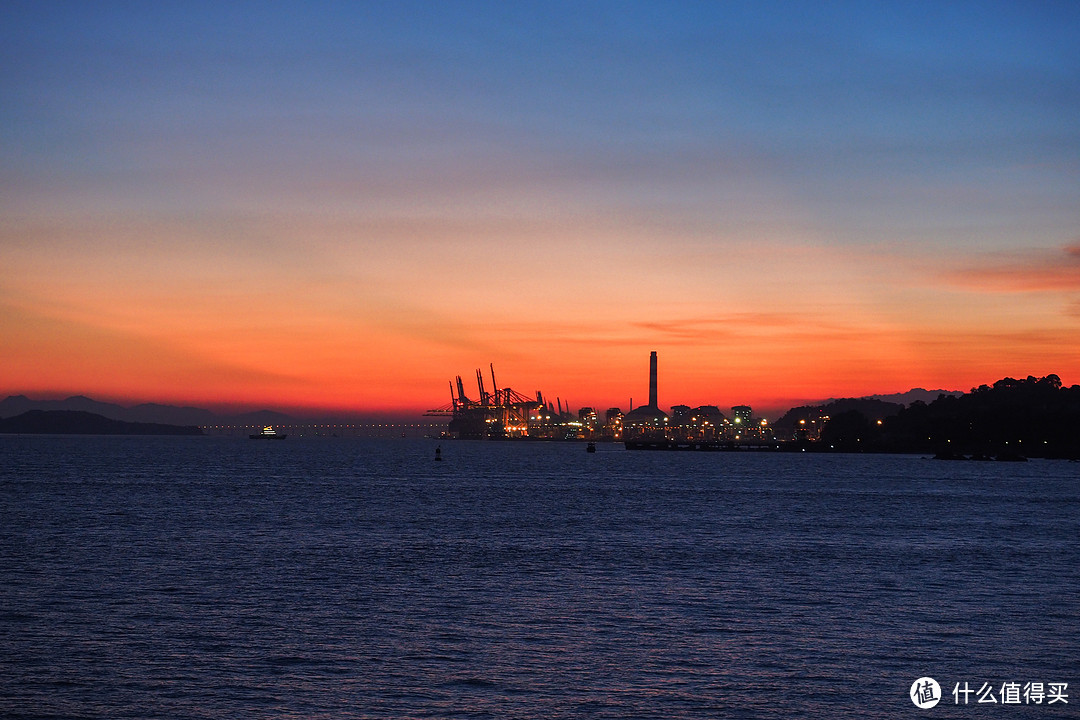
(316, 413)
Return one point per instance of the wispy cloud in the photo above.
(693, 330)
(1036, 271)
(743, 324)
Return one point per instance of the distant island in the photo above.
(153, 413)
(77, 422)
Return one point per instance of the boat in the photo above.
(591, 447)
(268, 433)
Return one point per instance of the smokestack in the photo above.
(652, 380)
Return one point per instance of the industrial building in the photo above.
(501, 414)
(504, 413)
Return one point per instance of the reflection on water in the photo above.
(336, 578)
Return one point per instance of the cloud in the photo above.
(47, 350)
(747, 324)
(1037, 271)
(695, 331)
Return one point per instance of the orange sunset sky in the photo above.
(342, 207)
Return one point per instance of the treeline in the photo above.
(796, 419)
(1033, 417)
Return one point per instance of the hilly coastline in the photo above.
(1037, 417)
(152, 413)
(78, 422)
(161, 414)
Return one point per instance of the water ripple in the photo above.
(207, 578)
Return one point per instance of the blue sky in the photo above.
(910, 171)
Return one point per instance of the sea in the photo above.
(215, 577)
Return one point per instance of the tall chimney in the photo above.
(652, 380)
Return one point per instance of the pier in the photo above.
(706, 445)
(370, 430)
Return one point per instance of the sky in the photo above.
(342, 206)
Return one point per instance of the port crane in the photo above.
(501, 413)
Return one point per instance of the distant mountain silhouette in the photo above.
(18, 404)
(916, 395)
(79, 422)
(143, 413)
(904, 398)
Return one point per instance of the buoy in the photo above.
(438, 453)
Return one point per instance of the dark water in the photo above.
(341, 578)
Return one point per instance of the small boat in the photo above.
(268, 433)
(591, 447)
